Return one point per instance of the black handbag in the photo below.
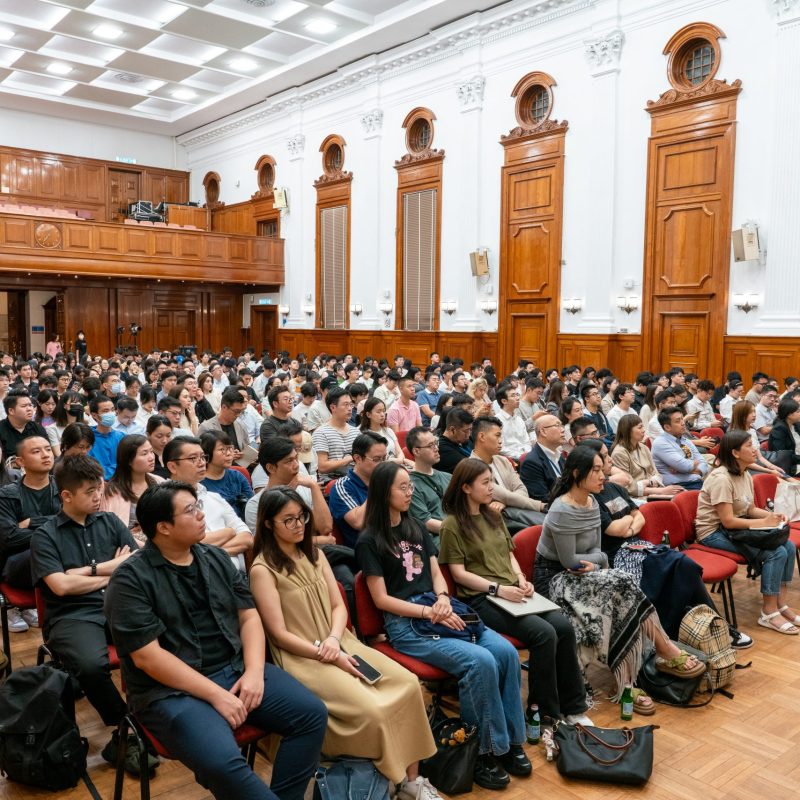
(435, 630)
(610, 755)
(751, 543)
(670, 689)
(450, 769)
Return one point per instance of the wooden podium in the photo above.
(187, 215)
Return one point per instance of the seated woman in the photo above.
(373, 418)
(305, 618)
(45, 407)
(478, 390)
(159, 433)
(77, 440)
(398, 558)
(476, 546)
(629, 453)
(135, 463)
(69, 409)
(189, 421)
(570, 410)
(726, 502)
(784, 437)
(608, 610)
(743, 417)
(220, 478)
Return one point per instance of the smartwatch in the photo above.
(493, 587)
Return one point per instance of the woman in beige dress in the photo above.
(305, 618)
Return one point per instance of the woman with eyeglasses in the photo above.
(399, 561)
(220, 477)
(306, 621)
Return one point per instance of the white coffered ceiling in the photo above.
(169, 66)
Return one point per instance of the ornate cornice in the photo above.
(548, 126)
(470, 93)
(785, 8)
(410, 159)
(330, 180)
(714, 88)
(372, 121)
(296, 145)
(603, 53)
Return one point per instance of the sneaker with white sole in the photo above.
(31, 616)
(418, 789)
(579, 719)
(16, 623)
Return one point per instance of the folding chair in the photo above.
(13, 598)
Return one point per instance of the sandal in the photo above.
(765, 621)
(795, 621)
(677, 666)
(640, 703)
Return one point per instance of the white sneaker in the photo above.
(15, 621)
(579, 719)
(31, 616)
(419, 789)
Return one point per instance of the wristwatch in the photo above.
(493, 587)
(94, 568)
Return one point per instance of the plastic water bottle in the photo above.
(626, 704)
(533, 725)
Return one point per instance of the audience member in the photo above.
(675, 456)
(623, 404)
(18, 423)
(542, 466)
(785, 436)
(106, 438)
(726, 404)
(429, 483)
(404, 414)
(333, 440)
(231, 406)
(516, 441)
(230, 484)
(455, 443)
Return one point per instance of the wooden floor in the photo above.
(736, 749)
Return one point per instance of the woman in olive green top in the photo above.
(476, 546)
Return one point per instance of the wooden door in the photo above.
(154, 187)
(17, 323)
(123, 188)
(174, 327)
(177, 189)
(527, 333)
(264, 328)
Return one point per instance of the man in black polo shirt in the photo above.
(72, 557)
(454, 443)
(192, 648)
(18, 424)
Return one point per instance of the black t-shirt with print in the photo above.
(615, 503)
(406, 571)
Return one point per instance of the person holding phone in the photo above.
(306, 621)
(476, 545)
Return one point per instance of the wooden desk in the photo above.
(187, 215)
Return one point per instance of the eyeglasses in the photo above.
(194, 459)
(546, 427)
(375, 459)
(586, 435)
(225, 450)
(406, 488)
(432, 445)
(195, 509)
(297, 522)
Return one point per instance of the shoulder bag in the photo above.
(435, 630)
(751, 542)
(451, 767)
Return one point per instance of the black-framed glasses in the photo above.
(196, 459)
(299, 521)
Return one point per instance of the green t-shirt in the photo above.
(487, 555)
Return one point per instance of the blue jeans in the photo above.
(776, 568)
(200, 738)
(489, 679)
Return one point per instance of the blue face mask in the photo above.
(116, 388)
(108, 419)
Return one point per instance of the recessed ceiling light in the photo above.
(6, 34)
(183, 94)
(321, 26)
(107, 31)
(243, 64)
(57, 68)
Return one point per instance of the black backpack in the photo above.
(40, 744)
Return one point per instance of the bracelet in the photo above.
(443, 594)
(334, 636)
(422, 612)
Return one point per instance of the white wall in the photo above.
(89, 140)
(37, 341)
(606, 148)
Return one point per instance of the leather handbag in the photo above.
(670, 689)
(610, 755)
(451, 767)
(435, 630)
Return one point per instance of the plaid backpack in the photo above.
(705, 630)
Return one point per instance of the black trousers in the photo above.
(83, 649)
(555, 682)
(17, 571)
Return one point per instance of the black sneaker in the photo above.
(111, 750)
(515, 762)
(489, 774)
(739, 640)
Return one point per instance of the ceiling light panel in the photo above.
(34, 62)
(58, 68)
(317, 24)
(36, 13)
(221, 30)
(246, 66)
(8, 55)
(169, 46)
(108, 32)
(37, 84)
(6, 34)
(79, 50)
(82, 25)
(148, 13)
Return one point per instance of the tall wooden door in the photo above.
(123, 188)
(174, 327)
(17, 322)
(264, 328)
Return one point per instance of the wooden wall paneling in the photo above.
(88, 309)
(778, 356)
(583, 349)
(236, 218)
(625, 355)
(154, 186)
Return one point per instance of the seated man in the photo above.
(542, 466)
(348, 496)
(726, 404)
(106, 439)
(72, 558)
(429, 484)
(428, 399)
(127, 412)
(511, 498)
(698, 408)
(623, 404)
(24, 508)
(18, 424)
(281, 403)
(186, 462)
(333, 440)
(675, 455)
(226, 420)
(515, 440)
(192, 649)
(455, 443)
(404, 413)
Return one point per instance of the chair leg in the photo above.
(250, 754)
(122, 746)
(725, 609)
(733, 603)
(6, 636)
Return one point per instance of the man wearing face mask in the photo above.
(106, 439)
(110, 385)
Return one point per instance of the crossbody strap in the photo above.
(623, 748)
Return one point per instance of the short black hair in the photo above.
(174, 448)
(274, 449)
(365, 441)
(231, 397)
(73, 471)
(168, 402)
(157, 504)
(412, 437)
(459, 418)
(94, 403)
(274, 394)
(334, 396)
(483, 423)
(308, 389)
(666, 414)
(127, 404)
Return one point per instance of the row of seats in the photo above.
(160, 224)
(40, 211)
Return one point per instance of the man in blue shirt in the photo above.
(106, 439)
(675, 455)
(428, 399)
(348, 498)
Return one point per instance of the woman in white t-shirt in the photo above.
(726, 501)
(373, 418)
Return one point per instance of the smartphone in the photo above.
(470, 618)
(371, 675)
(577, 567)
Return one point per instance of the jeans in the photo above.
(777, 566)
(555, 681)
(489, 679)
(199, 737)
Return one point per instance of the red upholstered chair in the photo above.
(525, 543)
(328, 486)
(244, 472)
(660, 516)
(522, 460)
(407, 453)
(13, 598)
(401, 438)
(686, 503)
(718, 432)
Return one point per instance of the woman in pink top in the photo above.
(53, 347)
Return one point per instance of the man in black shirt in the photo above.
(454, 443)
(192, 648)
(24, 381)
(72, 558)
(18, 424)
(281, 404)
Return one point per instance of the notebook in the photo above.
(538, 604)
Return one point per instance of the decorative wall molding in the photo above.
(604, 52)
(714, 88)
(296, 146)
(372, 123)
(416, 158)
(470, 93)
(548, 126)
(786, 10)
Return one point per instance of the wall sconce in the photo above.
(283, 310)
(385, 307)
(746, 302)
(308, 309)
(356, 309)
(449, 307)
(489, 306)
(572, 305)
(628, 304)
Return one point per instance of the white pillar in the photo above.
(293, 234)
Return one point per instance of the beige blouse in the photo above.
(638, 464)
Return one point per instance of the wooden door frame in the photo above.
(260, 313)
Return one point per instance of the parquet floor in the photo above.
(736, 749)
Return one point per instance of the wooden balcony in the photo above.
(49, 244)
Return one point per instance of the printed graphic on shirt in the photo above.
(411, 556)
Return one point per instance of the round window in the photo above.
(334, 159)
(266, 177)
(420, 135)
(697, 62)
(535, 107)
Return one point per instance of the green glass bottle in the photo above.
(533, 724)
(626, 704)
